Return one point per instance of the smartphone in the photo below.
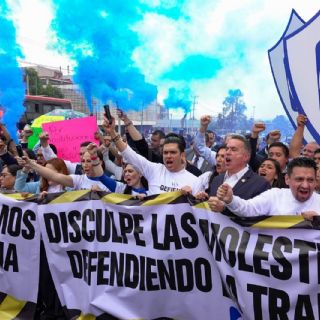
(107, 113)
(19, 150)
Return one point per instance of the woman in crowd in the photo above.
(92, 166)
(134, 183)
(8, 176)
(270, 169)
(6, 157)
(56, 164)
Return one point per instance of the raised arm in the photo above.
(97, 169)
(115, 136)
(297, 139)
(146, 167)
(110, 166)
(199, 141)
(140, 143)
(47, 152)
(257, 128)
(49, 174)
(132, 130)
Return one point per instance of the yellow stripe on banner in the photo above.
(279, 222)
(116, 198)
(163, 198)
(86, 317)
(202, 205)
(69, 196)
(18, 196)
(10, 308)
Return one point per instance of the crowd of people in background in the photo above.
(129, 163)
(234, 175)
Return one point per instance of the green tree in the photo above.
(234, 110)
(35, 87)
(232, 118)
(32, 79)
(52, 91)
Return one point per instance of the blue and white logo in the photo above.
(295, 65)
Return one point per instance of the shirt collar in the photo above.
(238, 174)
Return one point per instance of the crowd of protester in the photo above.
(234, 176)
(129, 163)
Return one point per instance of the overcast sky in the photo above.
(239, 33)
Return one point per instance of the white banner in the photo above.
(161, 258)
(273, 273)
(19, 249)
(132, 261)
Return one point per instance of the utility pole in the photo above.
(193, 108)
(141, 125)
(253, 112)
(28, 84)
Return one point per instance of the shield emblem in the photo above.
(302, 63)
(276, 58)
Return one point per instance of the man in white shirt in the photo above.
(169, 176)
(300, 198)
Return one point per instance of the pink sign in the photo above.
(67, 135)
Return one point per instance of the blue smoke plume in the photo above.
(178, 98)
(99, 37)
(171, 9)
(12, 89)
(195, 67)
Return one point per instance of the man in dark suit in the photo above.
(244, 182)
(195, 158)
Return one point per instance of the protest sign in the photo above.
(119, 256)
(192, 262)
(19, 258)
(67, 135)
(114, 256)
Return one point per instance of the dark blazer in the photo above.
(205, 165)
(249, 186)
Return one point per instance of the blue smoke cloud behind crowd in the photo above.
(109, 43)
(131, 52)
(12, 89)
(102, 38)
(99, 37)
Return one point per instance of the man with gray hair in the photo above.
(245, 183)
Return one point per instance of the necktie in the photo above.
(195, 161)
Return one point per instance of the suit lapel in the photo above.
(243, 180)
